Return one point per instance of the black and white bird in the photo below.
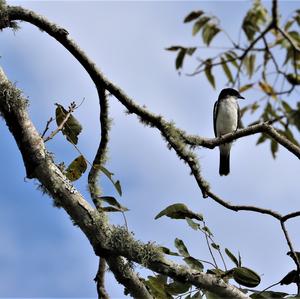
(226, 120)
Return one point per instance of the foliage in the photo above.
(260, 60)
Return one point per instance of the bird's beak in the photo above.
(240, 97)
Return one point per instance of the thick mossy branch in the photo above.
(4, 18)
(12, 97)
(121, 241)
(105, 239)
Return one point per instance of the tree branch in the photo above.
(100, 280)
(39, 165)
(292, 252)
(107, 240)
(264, 127)
(47, 127)
(172, 135)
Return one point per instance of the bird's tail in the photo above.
(224, 167)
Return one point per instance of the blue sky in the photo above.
(42, 253)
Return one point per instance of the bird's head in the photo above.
(230, 92)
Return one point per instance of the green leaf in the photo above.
(194, 263)
(269, 110)
(289, 135)
(180, 58)
(113, 202)
(209, 74)
(181, 248)
(207, 230)
(268, 89)
(288, 109)
(105, 171)
(176, 287)
(268, 295)
(232, 257)
(232, 57)
(76, 169)
(174, 48)
(190, 51)
(246, 277)
(254, 107)
(294, 117)
(249, 62)
(166, 250)
(109, 175)
(113, 209)
(217, 272)
(274, 148)
(117, 185)
(245, 87)
(291, 277)
(289, 53)
(179, 211)
(297, 19)
(209, 32)
(288, 24)
(199, 24)
(226, 70)
(157, 287)
(192, 16)
(261, 139)
(249, 28)
(254, 18)
(72, 128)
(192, 224)
(295, 36)
(293, 79)
(215, 246)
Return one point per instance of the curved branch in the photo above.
(100, 157)
(237, 208)
(290, 216)
(173, 136)
(99, 279)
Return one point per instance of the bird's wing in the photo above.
(239, 124)
(216, 107)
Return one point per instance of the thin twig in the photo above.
(292, 252)
(290, 216)
(209, 246)
(47, 127)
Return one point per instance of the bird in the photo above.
(227, 119)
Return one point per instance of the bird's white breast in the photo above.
(227, 118)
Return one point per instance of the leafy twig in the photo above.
(72, 107)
